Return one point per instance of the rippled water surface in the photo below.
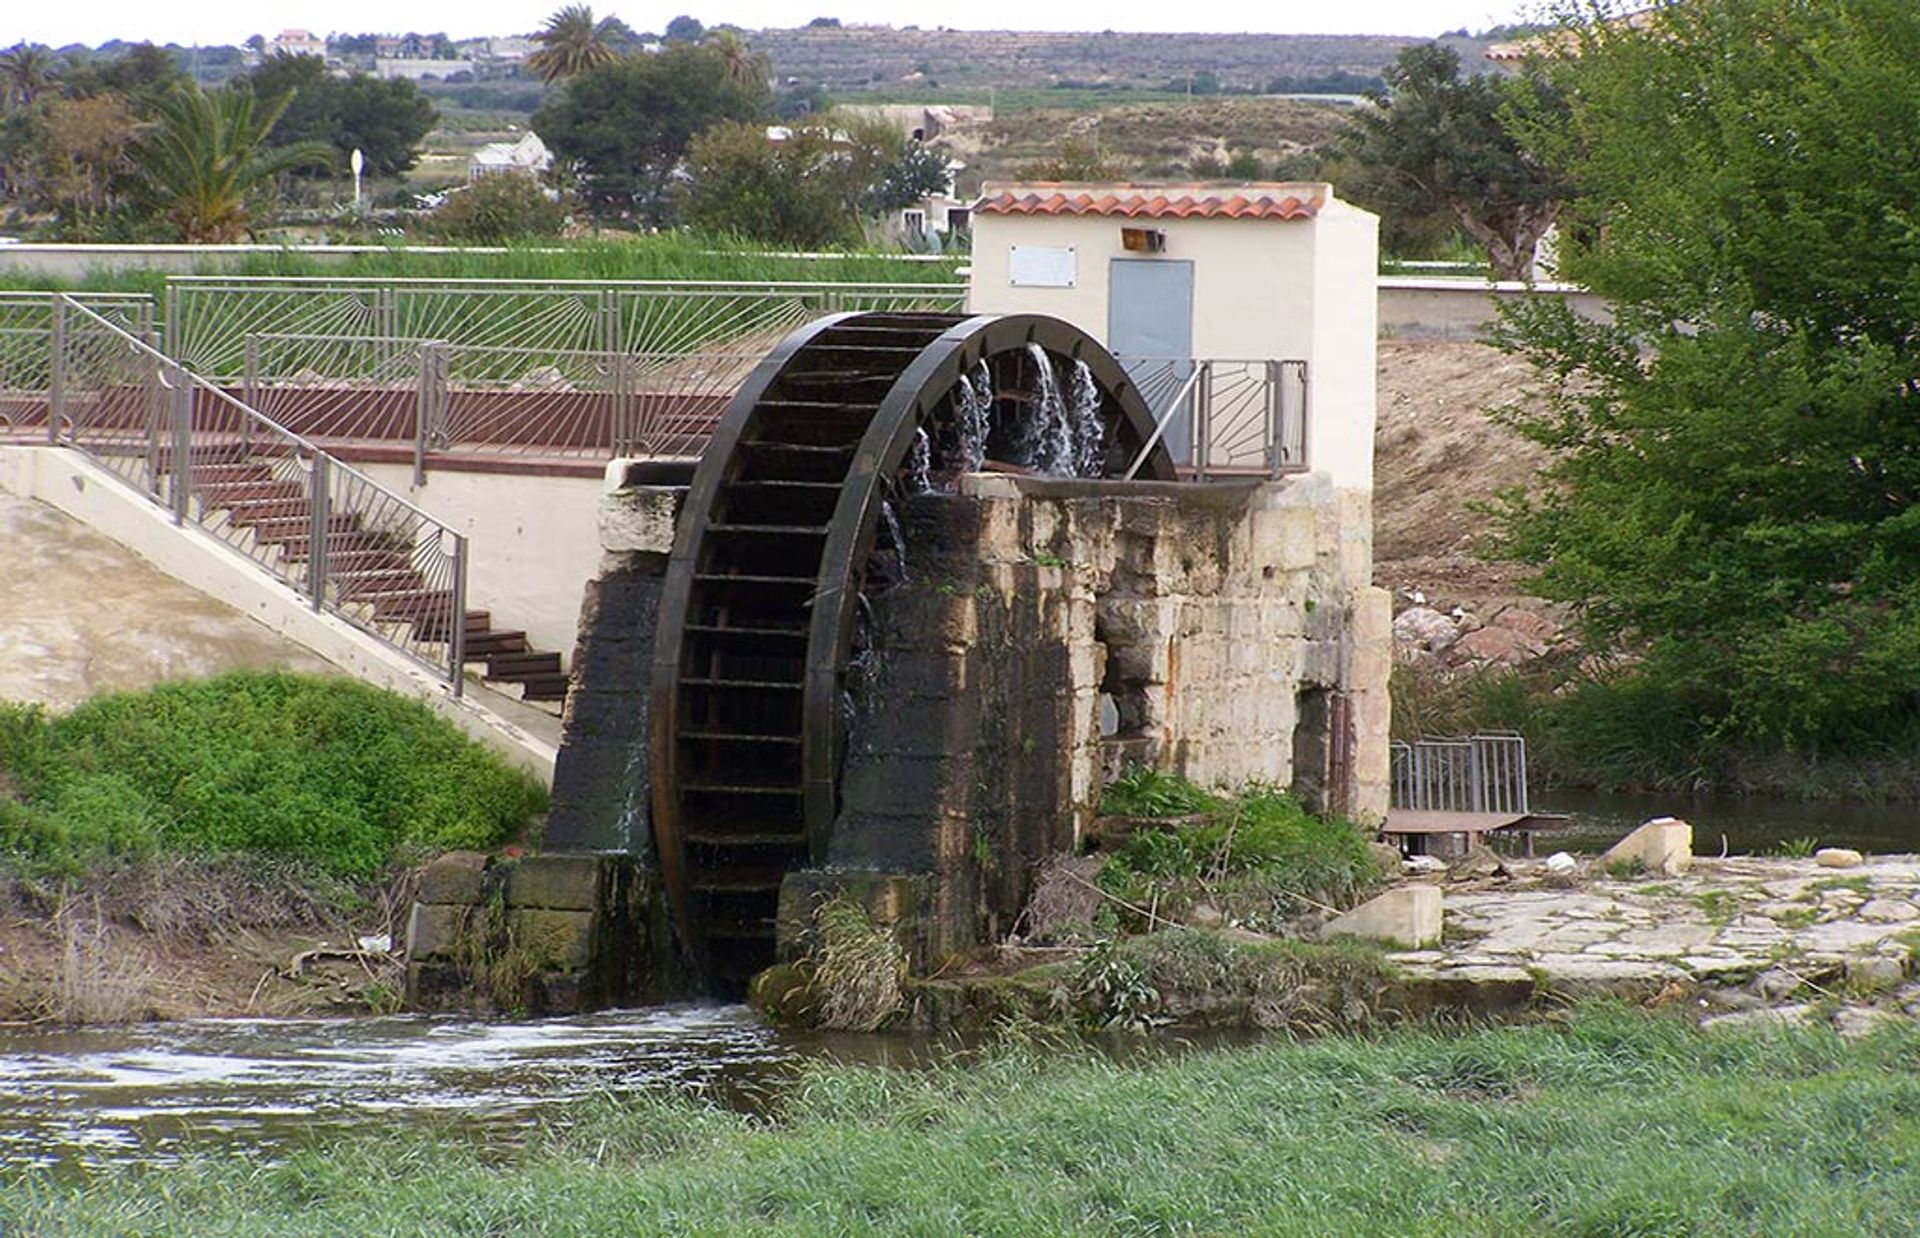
(145, 1093)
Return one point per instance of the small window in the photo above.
(914, 221)
(959, 219)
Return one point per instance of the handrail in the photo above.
(398, 573)
(1160, 424)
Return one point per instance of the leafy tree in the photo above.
(205, 159)
(499, 208)
(572, 42)
(1439, 143)
(81, 148)
(802, 191)
(384, 120)
(684, 29)
(907, 176)
(743, 65)
(1738, 453)
(622, 128)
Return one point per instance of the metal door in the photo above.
(1150, 329)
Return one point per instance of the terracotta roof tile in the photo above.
(1266, 201)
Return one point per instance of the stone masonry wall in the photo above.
(1047, 632)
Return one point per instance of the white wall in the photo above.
(535, 542)
(1263, 289)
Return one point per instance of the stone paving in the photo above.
(1748, 938)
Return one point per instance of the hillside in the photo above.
(856, 58)
(1159, 140)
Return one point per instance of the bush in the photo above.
(500, 208)
(327, 771)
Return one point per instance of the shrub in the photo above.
(500, 208)
(343, 776)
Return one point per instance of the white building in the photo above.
(1249, 273)
(297, 43)
(529, 157)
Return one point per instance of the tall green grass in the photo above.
(328, 772)
(1616, 1124)
(661, 256)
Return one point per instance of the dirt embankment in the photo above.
(183, 939)
(1436, 455)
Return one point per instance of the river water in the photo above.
(152, 1092)
(1742, 825)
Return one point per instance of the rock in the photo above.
(1479, 862)
(1205, 916)
(1424, 629)
(1776, 984)
(1409, 916)
(1495, 646)
(1838, 857)
(1531, 624)
(1560, 863)
(1853, 1022)
(1423, 864)
(1874, 972)
(1773, 1016)
(1386, 857)
(1662, 847)
(1888, 911)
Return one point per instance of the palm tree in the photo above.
(205, 158)
(571, 43)
(743, 65)
(26, 71)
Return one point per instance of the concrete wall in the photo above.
(535, 541)
(67, 481)
(1416, 308)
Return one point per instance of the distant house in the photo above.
(527, 157)
(934, 222)
(298, 43)
(921, 122)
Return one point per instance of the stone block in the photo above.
(639, 519)
(550, 940)
(1407, 915)
(1662, 847)
(436, 930)
(1838, 857)
(562, 882)
(1283, 539)
(456, 877)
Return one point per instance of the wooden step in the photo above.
(523, 665)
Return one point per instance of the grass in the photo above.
(612, 257)
(1255, 854)
(322, 771)
(1617, 1123)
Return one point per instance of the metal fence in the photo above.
(26, 347)
(208, 318)
(1481, 773)
(1224, 417)
(446, 398)
(350, 546)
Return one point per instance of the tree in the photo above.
(801, 191)
(684, 29)
(622, 128)
(205, 158)
(499, 208)
(571, 43)
(743, 66)
(1437, 142)
(26, 72)
(1738, 453)
(384, 120)
(81, 149)
(911, 174)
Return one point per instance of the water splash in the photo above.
(920, 464)
(891, 520)
(973, 405)
(1085, 429)
(1047, 442)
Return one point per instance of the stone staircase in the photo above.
(368, 570)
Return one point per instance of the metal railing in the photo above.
(447, 398)
(1481, 773)
(26, 347)
(1225, 418)
(350, 546)
(209, 317)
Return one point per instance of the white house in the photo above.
(529, 157)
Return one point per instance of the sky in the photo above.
(214, 22)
